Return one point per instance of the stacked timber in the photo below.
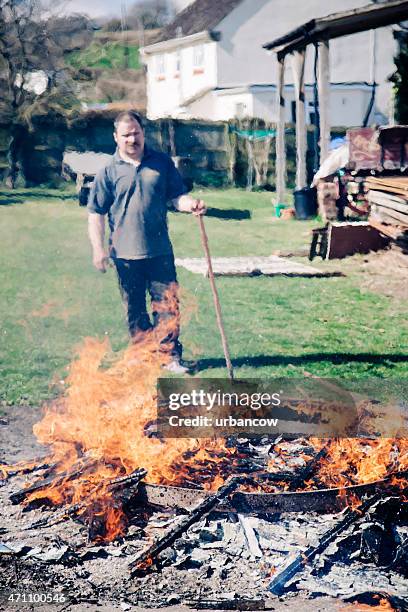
(327, 196)
(388, 200)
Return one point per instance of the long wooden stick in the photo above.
(216, 298)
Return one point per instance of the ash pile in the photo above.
(258, 539)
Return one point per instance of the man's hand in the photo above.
(100, 260)
(186, 203)
(198, 207)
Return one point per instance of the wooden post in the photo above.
(298, 65)
(280, 135)
(323, 84)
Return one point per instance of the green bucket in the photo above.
(279, 208)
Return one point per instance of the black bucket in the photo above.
(305, 203)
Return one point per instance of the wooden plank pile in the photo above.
(388, 199)
(327, 196)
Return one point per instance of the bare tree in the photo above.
(151, 14)
(34, 37)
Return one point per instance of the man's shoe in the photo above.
(176, 367)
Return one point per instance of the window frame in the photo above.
(160, 66)
(198, 58)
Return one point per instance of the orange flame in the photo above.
(361, 461)
(97, 432)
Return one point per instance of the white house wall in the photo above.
(205, 107)
(264, 105)
(227, 105)
(242, 60)
(167, 91)
(347, 106)
(351, 60)
(221, 107)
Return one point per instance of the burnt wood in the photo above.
(28, 469)
(307, 471)
(227, 604)
(296, 564)
(53, 480)
(144, 560)
(129, 482)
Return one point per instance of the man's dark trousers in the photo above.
(157, 275)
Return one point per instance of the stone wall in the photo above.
(203, 147)
(210, 154)
(5, 139)
(41, 156)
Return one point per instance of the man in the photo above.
(134, 190)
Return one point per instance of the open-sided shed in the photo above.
(319, 32)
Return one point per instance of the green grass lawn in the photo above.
(106, 56)
(52, 298)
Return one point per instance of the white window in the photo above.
(198, 56)
(240, 109)
(160, 65)
(178, 61)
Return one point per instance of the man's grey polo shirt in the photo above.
(136, 200)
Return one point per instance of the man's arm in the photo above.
(96, 232)
(99, 202)
(185, 203)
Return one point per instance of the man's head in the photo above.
(129, 135)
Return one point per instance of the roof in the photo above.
(340, 24)
(197, 96)
(199, 16)
(260, 87)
